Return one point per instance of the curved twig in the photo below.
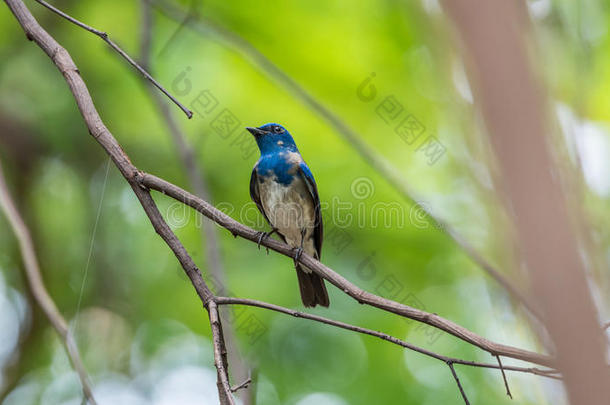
(550, 373)
(38, 289)
(103, 35)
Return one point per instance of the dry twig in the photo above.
(38, 289)
(457, 381)
(103, 35)
(504, 377)
(220, 356)
(550, 373)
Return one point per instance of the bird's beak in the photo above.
(255, 131)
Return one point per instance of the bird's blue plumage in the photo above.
(268, 144)
(284, 190)
(276, 164)
(308, 174)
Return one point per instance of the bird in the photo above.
(283, 188)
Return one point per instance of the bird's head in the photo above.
(272, 138)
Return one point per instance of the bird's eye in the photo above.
(278, 130)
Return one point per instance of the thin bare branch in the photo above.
(38, 289)
(457, 381)
(242, 46)
(220, 356)
(504, 377)
(103, 35)
(242, 385)
(146, 32)
(388, 338)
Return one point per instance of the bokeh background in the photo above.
(140, 326)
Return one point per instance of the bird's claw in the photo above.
(297, 255)
(262, 236)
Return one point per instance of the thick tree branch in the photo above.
(103, 35)
(242, 46)
(360, 295)
(38, 289)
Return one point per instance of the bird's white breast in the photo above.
(290, 209)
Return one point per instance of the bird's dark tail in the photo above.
(313, 290)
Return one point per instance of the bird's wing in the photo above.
(307, 176)
(255, 195)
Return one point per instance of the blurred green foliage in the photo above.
(139, 323)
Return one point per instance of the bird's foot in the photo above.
(297, 255)
(264, 235)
